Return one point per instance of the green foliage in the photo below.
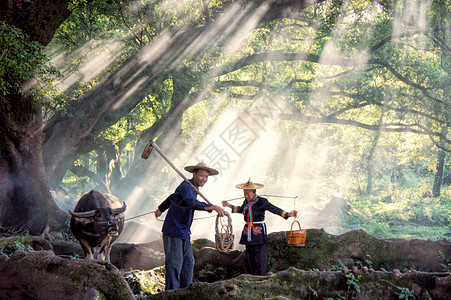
(196, 122)
(16, 246)
(144, 283)
(339, 297)
(134, 283)
(211, 273)
(315, 293)
(21, 60)
(88, 21)
(366, 262)
(406, 213)
(405, 293)
(446, 263)
(353, 282)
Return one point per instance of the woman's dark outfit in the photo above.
(254, 234)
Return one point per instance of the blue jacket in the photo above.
(182, 205)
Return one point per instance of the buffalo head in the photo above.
(96, 222)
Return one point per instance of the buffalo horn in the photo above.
(85, 214)
(117, 211)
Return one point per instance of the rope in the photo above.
(147, 213)
(224, 234)
(276, 196)
(151, 212)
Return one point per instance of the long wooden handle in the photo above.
(155, 146)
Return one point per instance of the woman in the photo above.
(254, 234)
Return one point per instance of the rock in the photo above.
(140, 256)
(336, 207)
(124, 256)
(8, 245)
(43, 275)
(397, 273)
(137, 233)
(322, 250)
(298, 284)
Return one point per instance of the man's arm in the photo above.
(163, 206)
(221, 212)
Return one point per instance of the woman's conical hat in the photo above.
(249, 185)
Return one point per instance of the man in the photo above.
(179, 262)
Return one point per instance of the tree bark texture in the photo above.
(24, 195)
(25, 200)
(39, 19)
(438, 178)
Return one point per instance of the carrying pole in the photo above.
(152, 145)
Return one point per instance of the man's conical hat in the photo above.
(202, 166)
(249, 185)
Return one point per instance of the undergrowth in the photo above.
(405, 214)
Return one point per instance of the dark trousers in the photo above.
(257, 259)
(179, 262)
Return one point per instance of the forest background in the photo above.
(316, 99)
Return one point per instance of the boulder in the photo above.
(324, 251)
(43, 275)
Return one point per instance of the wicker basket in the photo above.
(296, 237)
(224, 241)
(224, 234)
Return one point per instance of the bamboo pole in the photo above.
(276, 196)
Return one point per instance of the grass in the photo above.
(405, 214)
(420, 232)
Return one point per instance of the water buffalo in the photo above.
(96, 222)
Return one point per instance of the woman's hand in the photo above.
(226, 204)
(294, 213)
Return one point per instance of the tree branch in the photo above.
(392, 127)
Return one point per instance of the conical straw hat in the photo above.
(202, 166)
(249, 185)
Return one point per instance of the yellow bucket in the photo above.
(296, 237)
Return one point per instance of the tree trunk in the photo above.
(438, 178)
(39, 19)
(370, 159)
(25, 200)
(114, 167)
(441, 157)
(101, 164)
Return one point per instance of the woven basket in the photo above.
(296, 237)
(224, 241)
(224, 234)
